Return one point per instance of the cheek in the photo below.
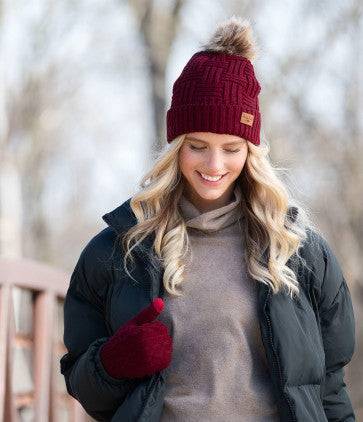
(234, 164)
(237, 164)
(187, 161)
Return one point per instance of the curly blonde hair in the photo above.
(268, 226)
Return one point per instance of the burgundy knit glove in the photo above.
(140, 347)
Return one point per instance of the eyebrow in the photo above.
(191, 138)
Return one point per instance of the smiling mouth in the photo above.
(210, 181)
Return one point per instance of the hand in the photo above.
(140, 347)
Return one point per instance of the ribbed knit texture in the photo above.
(218, 370)
(216, 92)
(140, 347)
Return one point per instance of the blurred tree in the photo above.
(31, 120)
(158, 24)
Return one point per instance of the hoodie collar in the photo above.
(213, 220)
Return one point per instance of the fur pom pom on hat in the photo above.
(217, 91)
(233, 36)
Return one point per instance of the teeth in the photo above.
(211, 178)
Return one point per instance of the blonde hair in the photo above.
(268, 227)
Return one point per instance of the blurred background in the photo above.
(84, 89)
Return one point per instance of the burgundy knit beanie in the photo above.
(217, 91)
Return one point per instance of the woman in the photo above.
(255, 320)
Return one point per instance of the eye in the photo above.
(196, 148)
(201, 148)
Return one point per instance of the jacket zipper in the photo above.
(315, 306)
(144, 401)
(276, 360)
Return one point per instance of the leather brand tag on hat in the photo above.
(247, 119)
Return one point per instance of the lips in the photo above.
(210, 182)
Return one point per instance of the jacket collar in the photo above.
(122, 217)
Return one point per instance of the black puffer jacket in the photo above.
(307, 340)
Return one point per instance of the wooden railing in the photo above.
(31, 344)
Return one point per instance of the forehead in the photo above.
(214, 138)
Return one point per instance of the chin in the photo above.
(211, 194)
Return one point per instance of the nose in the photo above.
(215, 162)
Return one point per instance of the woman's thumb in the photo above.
(150, 313)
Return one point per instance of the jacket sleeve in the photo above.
(85, 330)
(338, 333)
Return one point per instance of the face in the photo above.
(211, 154)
